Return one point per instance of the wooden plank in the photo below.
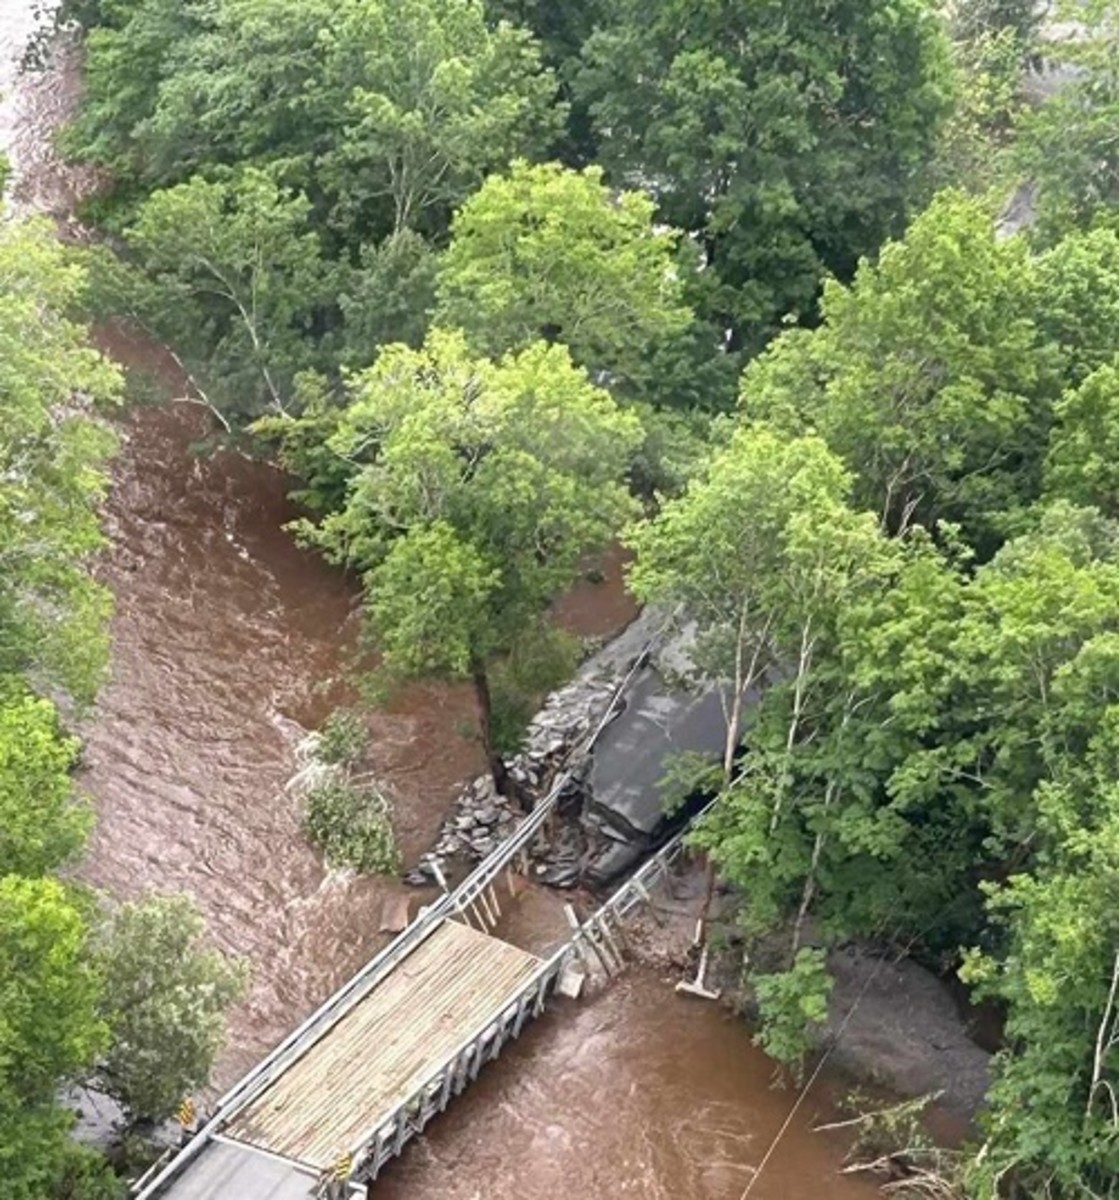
(374, 1059)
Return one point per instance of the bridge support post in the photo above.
(604, 930)
(522, 1013)
(476, 1058)
(401, 1135)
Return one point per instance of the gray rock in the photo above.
(558, 876)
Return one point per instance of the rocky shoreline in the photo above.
(480, 819)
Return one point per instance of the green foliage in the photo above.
(390, 298)
(1083, 461)
(388, 114)
(85, 1175)
(540, 660)
(52, 455)
(53, 638)
(675, 448)
(562, 30)
(352, 824)
(1078, 301)
(49, 1027)
(237, 281)
(1068, 144)
(793, 1005)
(1051, 1125)
(742, 547)
(929, 376)
(303, 445)
(41, 826)
(973, 19)
(550, 253)
(164, 1001)
(440, 99)
(489, 484)
(790, 138)
(342, 738)
(977, 141)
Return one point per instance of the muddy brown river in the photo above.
(229, 643)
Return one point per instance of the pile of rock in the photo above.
(480, 819)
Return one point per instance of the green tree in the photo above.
(49, 1028)
(1077, 302)
(929, 376)
(127, 44)
(389, 298)
(236, 280)
(546, 252)
(41, 826)
(164, 1002)
(1084, 448)
(724, 553)
(562, 30)
(832, 642)
(1068, 146)
(792, 1008)
(789, 138)
(386, 114)
(1052, 957)
(52, 455)
(435, 100)
(489, 483)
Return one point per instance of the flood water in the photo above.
(228, 645)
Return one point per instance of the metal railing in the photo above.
(443, 1082)
(328, 1014)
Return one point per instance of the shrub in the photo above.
(165, 998)
(792, 1004)
(342, 738)
(352, 824)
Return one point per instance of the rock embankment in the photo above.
(555, 740)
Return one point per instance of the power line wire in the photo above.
(772, 1149)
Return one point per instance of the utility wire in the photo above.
(835, 1042)
(811, 1080)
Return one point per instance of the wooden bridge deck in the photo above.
(374, 1058)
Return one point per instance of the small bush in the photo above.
(342, 738)
(352, 824)
(792, 1005)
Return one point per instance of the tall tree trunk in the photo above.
(494, 761)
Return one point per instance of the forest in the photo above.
(814, 307)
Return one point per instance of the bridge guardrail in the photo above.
(331, 1011)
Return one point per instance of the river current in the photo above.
(229, 643)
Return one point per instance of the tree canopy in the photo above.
(790, 139)
(41, 825)
(546, 252)
(49, 1027)
(53, 449)
(386, 114)
(488, 483)
(164, 999)
(929, 375)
